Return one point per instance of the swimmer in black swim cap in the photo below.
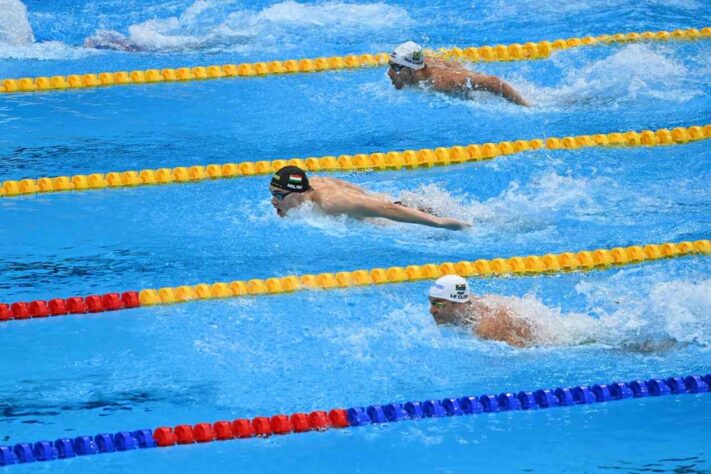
(290, 187)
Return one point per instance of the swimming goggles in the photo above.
(396, 67)
(439, 304)
(280, 195)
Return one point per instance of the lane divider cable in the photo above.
(599, 259)
(265, 426)
(499, 52)
(382, 161)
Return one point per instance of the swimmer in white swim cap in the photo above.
(409, 66)
(451, 302)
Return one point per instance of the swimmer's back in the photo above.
(321, 184)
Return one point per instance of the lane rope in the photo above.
(382, 161)
(263, 426)
(499, 52)
(599, 259)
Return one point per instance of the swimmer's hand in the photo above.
(453, 224)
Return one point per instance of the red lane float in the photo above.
(57, 307)
(5, 313)
(20, 310)
(82, 445)
(243, 428)
(38, 309)
(73, 305)
(583, 260)
(223, 430)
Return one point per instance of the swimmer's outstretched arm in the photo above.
(366, 206)
(497, 86)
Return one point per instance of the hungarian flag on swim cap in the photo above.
(291, 178)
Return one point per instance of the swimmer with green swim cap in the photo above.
(452, 303)
(409, 66)
(290, 188)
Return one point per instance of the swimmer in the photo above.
(452, 303)
(112, 40)
(503, 319)
(290, 187)
(409, 66)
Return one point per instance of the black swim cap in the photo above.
(291, 178)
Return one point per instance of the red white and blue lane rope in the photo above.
(64, 448)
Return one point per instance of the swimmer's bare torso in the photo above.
(498, 323)
(334, 196)
(452, 77)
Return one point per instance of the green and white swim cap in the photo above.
(409, 55)
(451, 288)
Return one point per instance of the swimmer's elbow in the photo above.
(372, 208)
(516, 343)
(394, 211)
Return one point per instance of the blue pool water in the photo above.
(239, 358)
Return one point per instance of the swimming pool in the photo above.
(245, 357)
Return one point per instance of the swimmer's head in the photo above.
(404, 61)
(287, 187)
(409, 55)
(448, 296)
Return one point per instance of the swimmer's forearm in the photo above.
(376, 208)
(510, 94)
(414, 216)
(410, 216)
(367, 206)
(502, 88)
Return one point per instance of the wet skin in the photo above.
(445, 311)
(283, 200)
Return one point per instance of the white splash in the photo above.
(310, 215)
(631, 73)
(17, 41)
(519, 208)
(45, 50)
(674, 311)
(15, 28)
(224, 26)
(306, 215)
(549, 326)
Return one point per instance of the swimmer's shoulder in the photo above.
(321, 183)
(338, 186)
(444, 64)
(327, 191)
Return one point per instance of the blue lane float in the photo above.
(582, 395)
(452, 406)
(540, 399)
(527, 400)
(64, 448)
(395, 412)
(470, 405)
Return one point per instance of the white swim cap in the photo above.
(409, 55)
(451, 288)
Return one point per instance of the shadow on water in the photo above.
(693, 464)
(19, 407)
